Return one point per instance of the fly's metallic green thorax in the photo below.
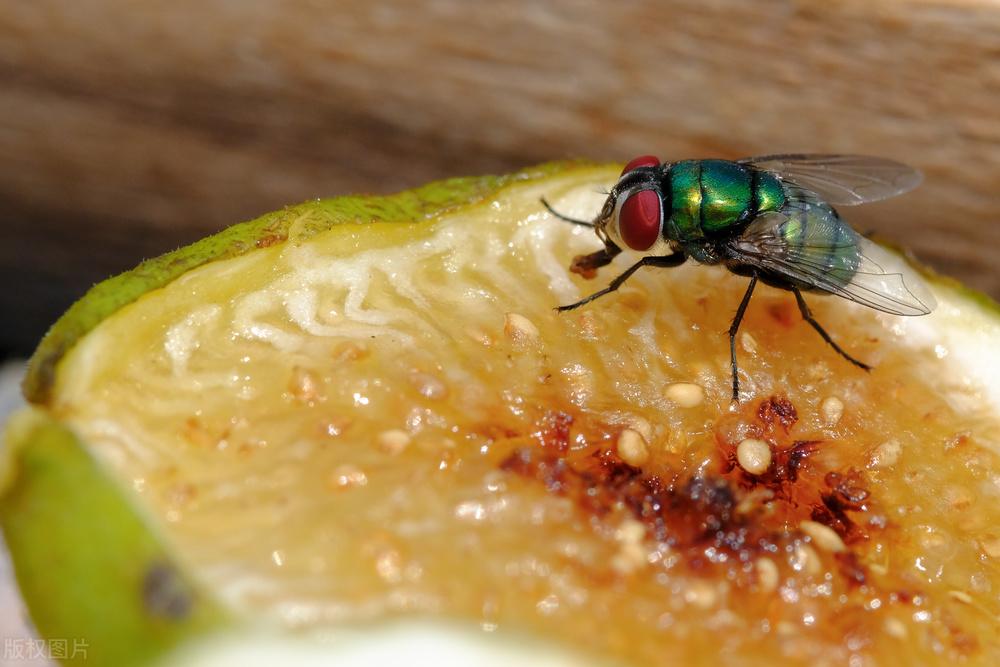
(713, 197)
(684, 185)
(726, 195)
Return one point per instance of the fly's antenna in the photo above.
(575, 221)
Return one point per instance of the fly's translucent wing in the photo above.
(842, 179)
(807, 243)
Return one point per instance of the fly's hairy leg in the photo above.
(808, 317)
(733, 329)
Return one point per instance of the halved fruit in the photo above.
(362, 411)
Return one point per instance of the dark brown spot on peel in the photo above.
(165, 594)
(695, 514)
(713, 519)
(777, 410)
(847, 494)
(269, 240)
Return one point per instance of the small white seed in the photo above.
(748, 343)
(642, 426)
(962, 597)
(629, 558)
(805, 559)
(886, 454)
(824, 537)
(701, 594)
(630, 532)
(754, 456)
(631, 553)
(768, 576)
(632, 448)
(685, 394)
(520, 329)
(832, 410)
(393, 441)
(895, 628)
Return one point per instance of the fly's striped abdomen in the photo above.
(768, 193)
(815, 236)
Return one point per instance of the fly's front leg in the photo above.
(575, 221)
(586, 266)
(666, 261)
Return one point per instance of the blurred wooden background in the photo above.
(128, 128)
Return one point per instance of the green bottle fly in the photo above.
(769, 218)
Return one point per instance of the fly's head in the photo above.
(633, 214)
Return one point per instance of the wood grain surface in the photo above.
(129, 128)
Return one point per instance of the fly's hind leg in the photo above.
(808, 317)
(733, 329)
(665, 261)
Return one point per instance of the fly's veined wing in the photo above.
(810, 245)
(842, 179)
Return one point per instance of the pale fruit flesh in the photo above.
(391, 420)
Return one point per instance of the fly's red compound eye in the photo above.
(641, 161)
(640, 218)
